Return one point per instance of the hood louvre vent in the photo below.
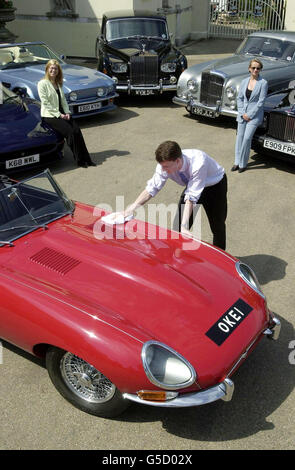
(55, 260)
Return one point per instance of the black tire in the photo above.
(83, 385)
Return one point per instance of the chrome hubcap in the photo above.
(85, 381)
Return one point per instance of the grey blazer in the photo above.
(254, 107)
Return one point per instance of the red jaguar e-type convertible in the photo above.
(122, 318)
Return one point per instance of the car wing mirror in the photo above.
(21, 91)
(13, 195)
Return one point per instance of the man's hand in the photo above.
(184, 228)
(185, 231)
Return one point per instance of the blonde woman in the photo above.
(55, 112)
(250, 102)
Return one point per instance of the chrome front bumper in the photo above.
(273, 332)
(160, 88)
(223, 391)
(209, 111)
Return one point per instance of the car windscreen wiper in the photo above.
(157, 37)
(17, 227)
(2, 242)
(13, 65)
(46, 215)
(137, 36)
(36, 62)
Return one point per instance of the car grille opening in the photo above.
(42, 149)
(211, 88)
(282, 127)
(144, 70)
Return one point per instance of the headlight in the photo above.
(73, 96)
(249, 277)
(119, 67)
(168, 67)
(192, 84)
(166, 368)
(233, 105)
(231, 92)
(181, 93)
(101, 91)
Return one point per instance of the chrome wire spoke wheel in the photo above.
(85, 381)
(83, 385)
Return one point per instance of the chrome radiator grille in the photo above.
(282, 127)
(144, 70)
(211, 88)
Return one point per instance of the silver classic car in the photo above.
(210, 88)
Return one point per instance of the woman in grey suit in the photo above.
(250, 101)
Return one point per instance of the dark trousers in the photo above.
(214, 201)
(71, 131)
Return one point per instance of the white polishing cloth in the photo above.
(116, 218)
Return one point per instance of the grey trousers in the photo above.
(243, 143)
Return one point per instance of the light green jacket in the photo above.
(49, 99)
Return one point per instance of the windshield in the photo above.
(30, 204)
(267, 47)
(22, 55)
(130, 27)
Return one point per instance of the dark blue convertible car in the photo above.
(24, 140)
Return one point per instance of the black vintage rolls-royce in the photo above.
(276, 136)
(135, 49)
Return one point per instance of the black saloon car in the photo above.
(135, 49)
(276, 136)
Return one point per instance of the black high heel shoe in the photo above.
(91, 163)
(235, 168)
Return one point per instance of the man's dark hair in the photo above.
(168, 150)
